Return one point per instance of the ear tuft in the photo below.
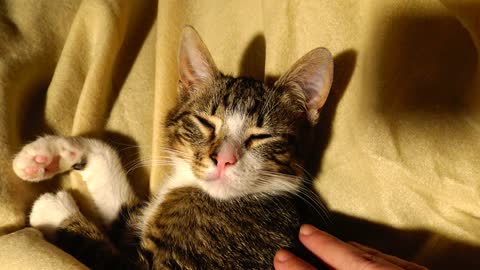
(312, 75)
(195, 64)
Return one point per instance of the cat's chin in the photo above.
(219, 188)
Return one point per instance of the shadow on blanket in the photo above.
(408, 244)
(421, 70)
(423, 65)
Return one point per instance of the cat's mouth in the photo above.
(218, 175)
(221, 187)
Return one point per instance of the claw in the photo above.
(81, 165)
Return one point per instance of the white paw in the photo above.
(46, 157)
(50, 210)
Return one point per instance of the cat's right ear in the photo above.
(195, 64)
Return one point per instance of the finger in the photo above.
(395, 260)
(285, 260)
(338, 254)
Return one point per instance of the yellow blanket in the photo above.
(399, 140)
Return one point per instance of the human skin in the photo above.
(339, 255)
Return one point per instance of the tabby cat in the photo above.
(230, 202)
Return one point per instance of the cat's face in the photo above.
(236, 136)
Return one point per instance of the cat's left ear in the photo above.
(312, 75)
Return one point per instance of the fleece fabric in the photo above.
(397, 151)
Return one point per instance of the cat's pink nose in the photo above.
(225, 159)
(227, 156)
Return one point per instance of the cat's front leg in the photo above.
(97, 163)
(59, 219)
(106, 180)
(50, 210)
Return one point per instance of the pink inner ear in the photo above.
(318, 80)
(313, 73)
(189, 69)
(315, 101)
(186, 76)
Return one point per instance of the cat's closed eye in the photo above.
(257, 138)
(205, 124)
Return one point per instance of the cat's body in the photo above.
(225, 234)
(231, 200)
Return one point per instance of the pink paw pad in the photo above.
(41, 159)
(31, 170)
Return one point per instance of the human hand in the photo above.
(339, 255)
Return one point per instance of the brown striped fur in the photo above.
(192, 227)
(194, 231)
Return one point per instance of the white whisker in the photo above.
(299, 190)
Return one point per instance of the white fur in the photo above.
(104, 175)
(50, 210)
(235, 125)
(106, 180)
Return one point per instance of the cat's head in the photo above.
(237, 136)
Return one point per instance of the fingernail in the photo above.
(283, 256)
(307, 230)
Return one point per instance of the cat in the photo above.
(230, 201)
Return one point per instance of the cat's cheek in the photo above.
(211, 175)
